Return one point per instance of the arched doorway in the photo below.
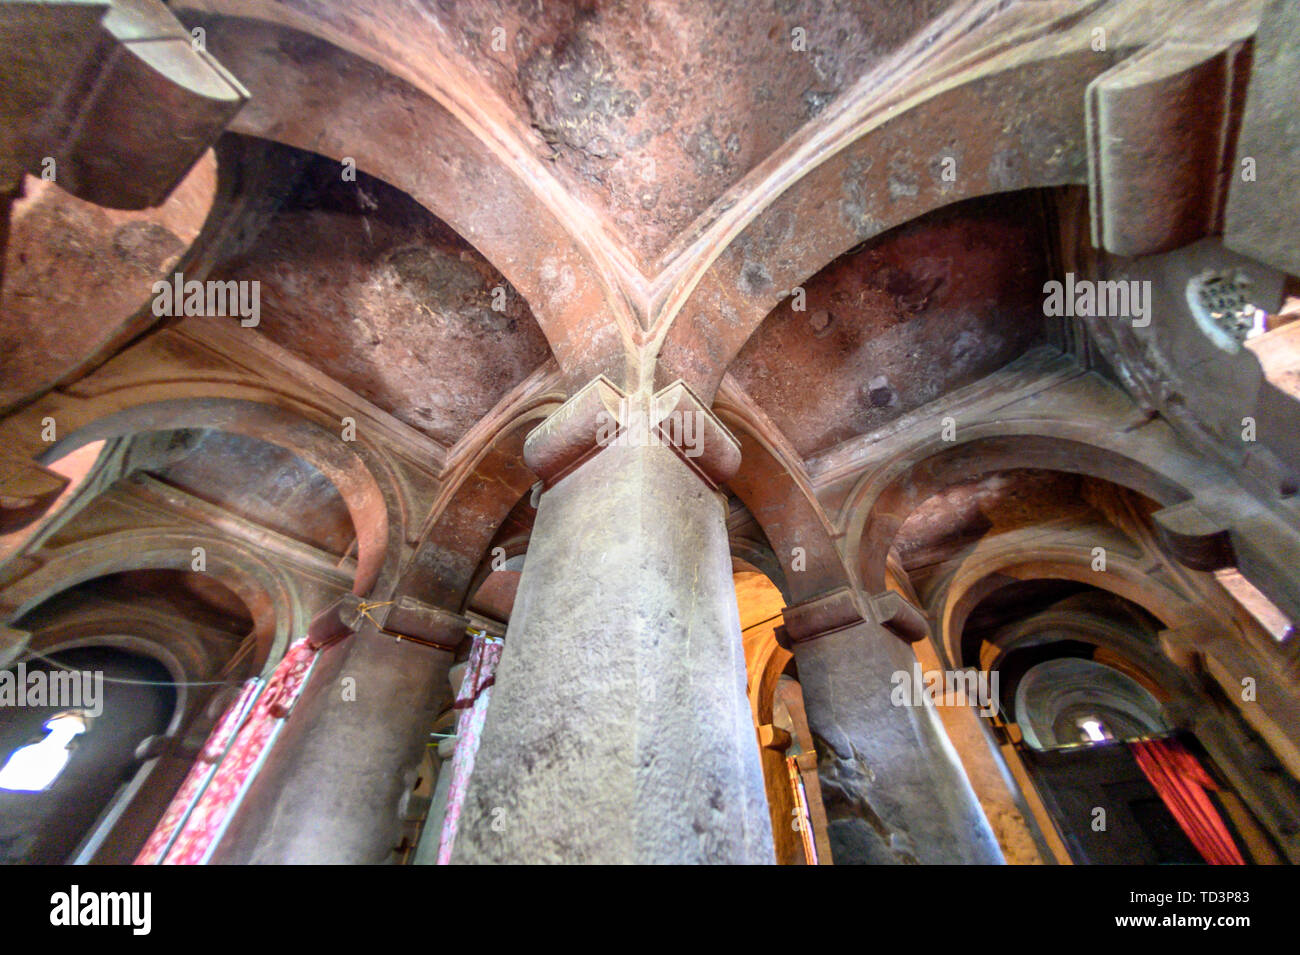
(119, 699)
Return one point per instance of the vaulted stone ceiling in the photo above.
(640, 119)
(653, 112)
(632, 164)
(900, 321)
(832, 221)
(653, 181)
(364, 284)
(994, 504)
(837, 214)
(266, 483)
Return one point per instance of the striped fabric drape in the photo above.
(198, 814)
(472, 701)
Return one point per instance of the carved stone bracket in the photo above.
(899, 617)
(121, 95)
(601, 415)
(425, 624)
(1193, 537)
(337, 621)
(405, 618)
(826, 614)
(842, 608)
(773, 738)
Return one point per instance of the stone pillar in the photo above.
(331, 788)
(893, 788)
(1005, 806)
(619, 729)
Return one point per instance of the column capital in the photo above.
(824, 614)
(841, 609)
(601, 415)
(403, 617)
(337, 621)
(773, 738)
(897, 615)
(424, 623)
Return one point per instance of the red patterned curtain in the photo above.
(1184, 786)
(472, 701)
(198, 814)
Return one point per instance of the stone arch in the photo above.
(375, 507)
(273, 602)
(886, 495)
(771, 662)
(83, 471)
(1251, 766)
(358, 97)
(758, 557)
(510, 544)
(140, 636)
(481, 489)
(782, 235)
(51, 339)
(514, 551)
(783, 503)
(982, 573)
(1153, 670)
(1055, 688)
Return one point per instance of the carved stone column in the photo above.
(892, 785)
(619, 730)
(331, 788)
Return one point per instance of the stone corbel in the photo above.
(493, 628)
(404, 618)
(1264, 549)
(773, 738)
(840, 609)
(336, 622)
(899, 617)
(1193, 538)
(829, 613)
(425, 624)
(126, 106)
(806, 762)
(683, 423)
(601, 415)
(1160, 125)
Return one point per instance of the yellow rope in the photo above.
(365, 607)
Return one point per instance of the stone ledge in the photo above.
(405, 617)
(840, 609)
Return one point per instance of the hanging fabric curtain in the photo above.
(200, 811)
(472, 701)
(801, 807)
(1184, 786)
(200, 774)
